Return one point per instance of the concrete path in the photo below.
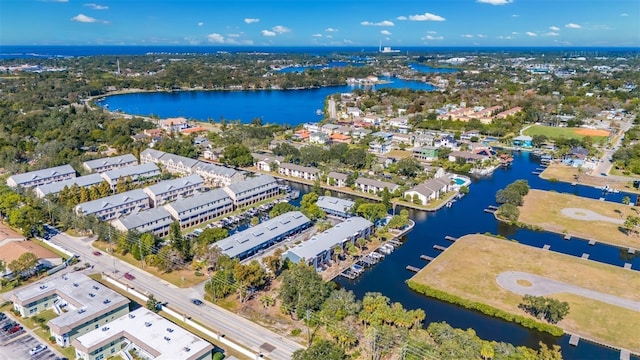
(542, 286)
(588, 215)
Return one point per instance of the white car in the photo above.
(38, 349)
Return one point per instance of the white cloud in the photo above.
(551, 33)
(251, 20)
(505, 37)
(329, 36)
(481, 36)
(531, 33)
(402, 18)
(601, 27)
(468, 36)
(430, 37)
(96, 6)
(347, 41)
(280, 29)
(83, 18)
(426, 17)
(515, 15)
(573, 26)
(554, 28)
(330, 30)
(381, 23)
(317, 35)
(624, 14)
(215, 38)
(268, 33)
(385, 32)
(495, 2)
(514, 33)
(200, 23)
(432, 32)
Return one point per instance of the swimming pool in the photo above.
(459, 181)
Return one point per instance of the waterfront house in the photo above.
(86, 181)
(252, 190)
(170, 190)
(374, 186)
(203, 207)
(337, 179)
(429, 190)
(41, 177)
(267, 162)
(109, 163)
(318, 250)
(245, 243)
(82, 304)
(466, 157)
(136, 173)
(523, 141)
(114, 206)
(335, 206)
(217, 175)
(425, 153)
(155, 221)
(174, 124)
(298, 171)
(468, 135)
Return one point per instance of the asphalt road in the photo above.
(232, 326)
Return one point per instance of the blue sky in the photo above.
(395, 23)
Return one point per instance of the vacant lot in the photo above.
(555, 132)
(469, 267)
(570, 174)
(544, 208)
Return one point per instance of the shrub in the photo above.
(296, 332)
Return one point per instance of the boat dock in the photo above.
(574, 340)
(450, 238)
(439, 247)
(567, 237)
(490, 211)
(412, 268)
(493, 207)
(426, 258)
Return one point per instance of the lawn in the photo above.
(469, 267)
(543, 208)
(554, 132)
(570, 174)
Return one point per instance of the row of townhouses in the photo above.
(96, 321)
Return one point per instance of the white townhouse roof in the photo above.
(43, 174)
(329, 238)
(250, 185)
(159, 217)
(177, 159)
(255, 236)
(81, 181)
(335, 204)
(205, 168)
(109, 202)
(376, 183)
(158, 336)
(295, 167)
(152, 153)
(118, 161)
(210, 198)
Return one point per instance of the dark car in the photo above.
(129, 276)
(2, 316)
(197, 302)
(9, 326)
(97, 253)
(14, 329)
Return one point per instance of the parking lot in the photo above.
(16, 346)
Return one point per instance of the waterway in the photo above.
(291, 107)
(465, 217)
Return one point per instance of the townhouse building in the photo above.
(203, 207)
(114, 206)
(170, 190)
(136, 173)
(252, 190)
(109, 163)
(41, 177)
(155, 220)
(298, 171)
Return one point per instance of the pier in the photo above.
(536, 173)
(450, 238)
(585, 256)
(592, 242)
(567, 237)
(574, 340)
(546, 247)
(426, 258)
(439, 247)
(493, 207)
(490, 211)
(413, 268)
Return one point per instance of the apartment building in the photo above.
(252, 190)
(109, 163)
(41, 177)
(170, 190)
(203, 207)
(114, 206)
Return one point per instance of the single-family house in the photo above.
(429, 190)
(425, 153)
(523, 141)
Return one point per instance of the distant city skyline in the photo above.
(398, 23)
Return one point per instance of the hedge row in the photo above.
(485, 309)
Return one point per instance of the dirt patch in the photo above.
(591, 132)
(525, 283)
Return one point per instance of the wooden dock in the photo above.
(567, 237)
(585, 256)
(395, 243)
(490, 211)
(492, 207)
(450, 238)
(625, 354)
(546, 247)
(592, 242)
(412, 268)
(426, 258)
(574, 340)
(439, 247)
(631, 251)
(627, 266)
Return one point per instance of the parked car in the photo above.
(2, 316)
(97, 253)
(129, 276)
(8, 326)
(37, 349)
(197, 302)
(14, 329)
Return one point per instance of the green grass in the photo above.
(554, 132)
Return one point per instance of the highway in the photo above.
(232, 326)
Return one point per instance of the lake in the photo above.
(291, 107)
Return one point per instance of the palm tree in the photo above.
(337, 251)
(267, 300)
(361, 242)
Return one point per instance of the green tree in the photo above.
(508, 212)
(321, 349)
(302, 289)
(626, 200)
(211, 235)
(281, 208)
(372, 211)
(237, 155)
(152, 304)
(339, 305)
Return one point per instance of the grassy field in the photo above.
(570, 174)
(469, 267)
(543, 208)
(554, 132)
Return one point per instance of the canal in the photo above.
(466, 217)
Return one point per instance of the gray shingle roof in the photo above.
(179, 183)
(430, 186)
(82, 181)
(133, 171)
(307, 169)
(92, 207)
(110, 161)
(376, 183)
(155, 154)
(262, 233)
(335, 204)
(187, 162)
(337, 175)
(329, 238)
(251, 184)
(159, 215)
(200, 199)
(215, 169)
(42, 174)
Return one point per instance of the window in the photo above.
(97, 326)
(100, 357)
(33, 310)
